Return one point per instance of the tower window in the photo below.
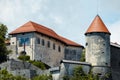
(54, 46)
(48, 44)
(43, 42)
(12, 42)
(86, 44)
(106, 63)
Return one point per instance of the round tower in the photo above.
(98, 46)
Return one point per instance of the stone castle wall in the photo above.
(98, 51)
(115, 62)
(43, 48)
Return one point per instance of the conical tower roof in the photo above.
(97, 26)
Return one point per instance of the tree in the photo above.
(83, 56)
(3, 50)
(4, 75)
(79, 74)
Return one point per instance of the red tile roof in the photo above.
(97, 26)
(34, 27)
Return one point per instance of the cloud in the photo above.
(16, 12)
(115, 30)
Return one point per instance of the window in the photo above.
(24, 41)
(12, 42)
(59, 49)
(86, 44)
(54, 46)
(27, 41)
(43, 42)
(38, 40)
(48, 44)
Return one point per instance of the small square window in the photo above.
(12, 42)
(86, 44)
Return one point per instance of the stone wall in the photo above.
(48, 54)
(21, 68)
(73, 53)
(67, 67)
(115, 61)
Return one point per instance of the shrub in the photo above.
(24, 57)
(4, 75)
(39, 64)
(79, 74)
(43, 77)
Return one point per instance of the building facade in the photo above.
(43, 44)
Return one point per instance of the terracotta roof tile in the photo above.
(34, 27)
(97, 26)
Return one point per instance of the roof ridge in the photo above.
(44, 28)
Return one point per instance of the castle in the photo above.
(42, 43)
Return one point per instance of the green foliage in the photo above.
(39, 64)
(83, 56)
(3, 50)
(24, 57)
(79, 74)
(66, 77)
(43, 77)
(4, 75)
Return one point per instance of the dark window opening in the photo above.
(38, 40)
(59, 49)
(23, 33)
(102, 52)
(43, 42)
(12, 42)
(48, 44)
(54, 46)
(106, 63)
(86, 44)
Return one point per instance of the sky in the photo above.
(68, 18)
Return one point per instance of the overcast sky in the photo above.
(68, 18)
